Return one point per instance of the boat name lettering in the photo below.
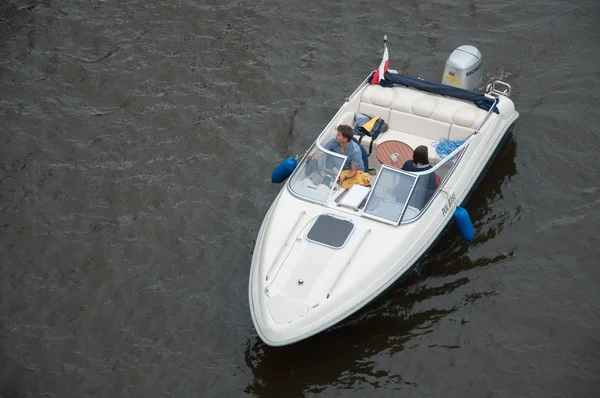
(469, 73)
(448, 204)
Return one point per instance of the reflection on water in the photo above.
(489, 220)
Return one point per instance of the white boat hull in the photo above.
(298, 288)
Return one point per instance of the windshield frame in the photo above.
(412, 188)
(315, 148)
(440, 188)
(460, 151)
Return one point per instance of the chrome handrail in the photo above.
(487, 116)
(302, 213)
(348, 262)
(504, 90)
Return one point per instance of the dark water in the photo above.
(137, 141)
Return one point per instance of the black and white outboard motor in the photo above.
(464, 68)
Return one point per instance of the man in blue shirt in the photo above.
(343, 144)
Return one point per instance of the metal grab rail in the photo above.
(504, 89)
(487, 116)
(302, 213)
(348, 262)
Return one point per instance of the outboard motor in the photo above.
(464, 68)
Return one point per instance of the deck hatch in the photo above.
(330, 231)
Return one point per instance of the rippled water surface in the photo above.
(137, 140)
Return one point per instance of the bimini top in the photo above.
(479, 99)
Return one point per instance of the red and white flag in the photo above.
(383, 67)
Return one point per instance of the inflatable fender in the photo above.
(284, 170)
(463, 221)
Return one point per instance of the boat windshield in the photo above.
(399, 195)
(316, 174)
(388, 199)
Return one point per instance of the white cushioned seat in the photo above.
(469, 116)
(377, 95)
(415, 117)
(374, 110)
(423, 107)
(436, 107)
(464, 117)
(445, 110)
(404, 98)
(376, 101)
(346, 118)
(418, 125)
(459, 132)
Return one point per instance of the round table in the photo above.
(386, 149)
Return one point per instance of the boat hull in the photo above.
(298, 289)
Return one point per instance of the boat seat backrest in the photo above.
(418, 125)
(376, 101)
(459, 132)
(414, 112)
(345, 118)
(437, 107)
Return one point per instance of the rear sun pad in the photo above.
(330, 231)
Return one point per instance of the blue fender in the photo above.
(284, 170)
(463, 221)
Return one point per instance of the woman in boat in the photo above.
(420, 160)
(426, 185)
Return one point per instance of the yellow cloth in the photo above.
(368, 126)
(361, 178)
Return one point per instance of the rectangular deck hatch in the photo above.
(330, 231)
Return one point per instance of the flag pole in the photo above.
(378, 75)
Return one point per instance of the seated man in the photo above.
(352, 169)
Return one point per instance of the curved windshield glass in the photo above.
(389, 197)
(316, 174)
(430, 181)
(399, 195)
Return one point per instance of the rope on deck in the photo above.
(445, 146)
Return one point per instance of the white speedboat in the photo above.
(324, 252)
